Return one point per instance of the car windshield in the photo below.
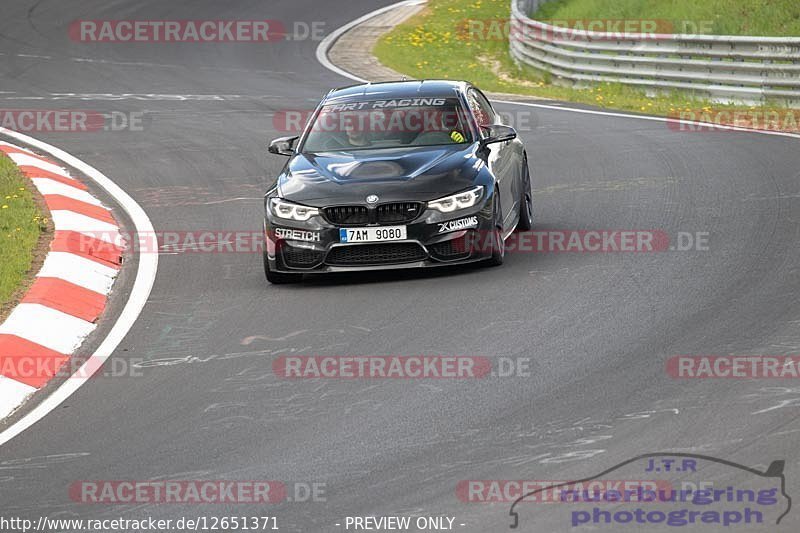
(398, 123)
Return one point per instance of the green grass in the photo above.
(20, 226)
(718, 17)
(435, 44)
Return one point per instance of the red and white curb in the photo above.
(70, 291)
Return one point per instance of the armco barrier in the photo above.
(724, 68)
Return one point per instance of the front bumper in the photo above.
(433, 239)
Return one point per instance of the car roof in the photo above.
(397, 89)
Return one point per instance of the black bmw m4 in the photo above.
(403, 174)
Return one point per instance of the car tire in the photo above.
(497, 242)
(279, 278)
(525, 222)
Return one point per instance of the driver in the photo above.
(457, 136)
(450, 122)
(355, 135)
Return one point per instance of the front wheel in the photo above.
(279, 278)
(526, 201)
(497, 242)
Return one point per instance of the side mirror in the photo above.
(497, 133)
(283, 145)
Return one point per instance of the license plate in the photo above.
(377, 234)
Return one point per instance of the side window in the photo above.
(481, 108)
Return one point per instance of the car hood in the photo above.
(406, 174)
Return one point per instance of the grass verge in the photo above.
(23, 226)
(434, 44)
(776, 18)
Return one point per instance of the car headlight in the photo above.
(461, 200)
(291, 211)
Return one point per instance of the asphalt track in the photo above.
(597, 327)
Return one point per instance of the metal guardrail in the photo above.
(724, 68)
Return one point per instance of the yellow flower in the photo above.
(4, 207)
